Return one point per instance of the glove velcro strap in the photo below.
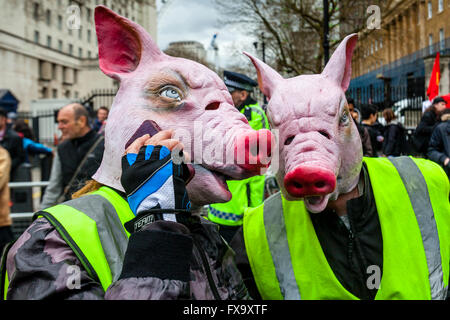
(147, 217)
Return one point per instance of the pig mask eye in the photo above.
(170, 93)
(345, 118)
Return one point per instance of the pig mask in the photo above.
(176, 94)
(320, 147)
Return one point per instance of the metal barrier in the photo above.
(22, 220)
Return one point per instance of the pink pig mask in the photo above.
(319, 144)
(177, 94)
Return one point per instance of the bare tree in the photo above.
(294, 29)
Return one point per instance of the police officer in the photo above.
(248, 192)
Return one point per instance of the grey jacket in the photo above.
(55, 187)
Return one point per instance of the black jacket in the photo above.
(13, 143)
(375, 131)
(424, 130)
(439, 146)
(71, 153)
(394, 143)
(365, 140)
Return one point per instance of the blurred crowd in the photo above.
(18, 144)
(431, 137)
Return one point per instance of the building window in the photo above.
(441, 39)
(88, 14)
(440, 5)
(54, 73)
(70, 49)
(381, 43)
(36, 36)
(55, 93)
(60, 22)
(60, 45)
(67, 94)
(44, 93)
(49, 41)
(36, 11)
(89, 35)
(80, 52)
(430, 43)
(80, 33)
(376, 45)
(48, 17)
(430, 10)
(89, 54)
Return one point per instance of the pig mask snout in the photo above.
(306, 181)
(253, 150)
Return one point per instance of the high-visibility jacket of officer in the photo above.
(249, 192)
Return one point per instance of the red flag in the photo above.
(447, 99)
(433, 86)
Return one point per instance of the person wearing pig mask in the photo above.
(132, 232)
(343, 226)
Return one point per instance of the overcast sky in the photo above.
(198, 20)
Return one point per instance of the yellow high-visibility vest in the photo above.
(412, 199)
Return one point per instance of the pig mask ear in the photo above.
(339, 68)
(268, 78)
(121, 43)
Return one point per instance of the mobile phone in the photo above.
(147, 127)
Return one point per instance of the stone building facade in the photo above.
(48, 48)
(401, 52)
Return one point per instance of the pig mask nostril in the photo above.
(325, 134)
(298, 185)
(213, 106)
(289, 140)
(320, 184)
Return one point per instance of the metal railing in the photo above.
(43, 122)
(28, 184)
(22, 220)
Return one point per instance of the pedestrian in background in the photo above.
(100, 121)
(30, 146)
(394, 143)
(77, 157)
(6, 234)
(369, 116)
(12, 142)
(363, 131)
(439, 146)
(427, 124)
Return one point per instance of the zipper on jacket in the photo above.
(355, 246)
(207, 268)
